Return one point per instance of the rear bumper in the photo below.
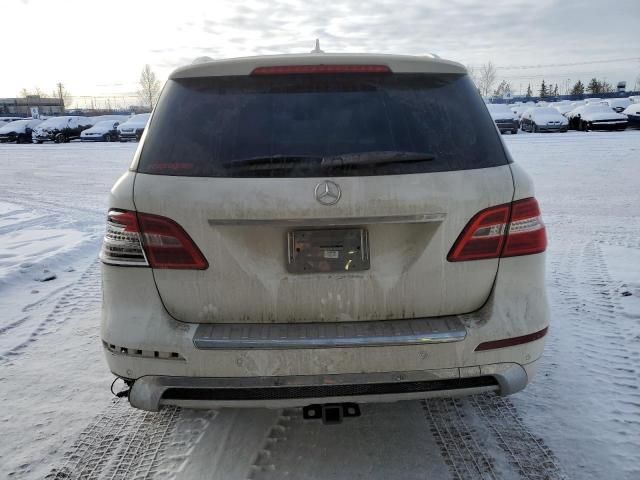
(144, 343)
(126, 136)
(153, 392)
(507, 126)
(553, 128)
(613, 125)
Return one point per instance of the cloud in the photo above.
(507, 32)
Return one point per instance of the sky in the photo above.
(98, 48)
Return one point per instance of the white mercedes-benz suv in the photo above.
(314, 229)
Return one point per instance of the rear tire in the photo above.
(534, 129)
(514, 131)
(107, 137)
(60, 138)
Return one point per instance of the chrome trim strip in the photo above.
(268, 336)
(330, 222)
(147, 391)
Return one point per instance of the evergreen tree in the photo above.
(594, 86)
(578, 88)
(529, 92)
(502, 89)
(555, 90)
(543, 90)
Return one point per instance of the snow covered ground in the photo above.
(579, 419)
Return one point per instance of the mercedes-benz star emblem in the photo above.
(328, 192)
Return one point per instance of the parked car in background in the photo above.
(564, 108)
(633, 115)
(254, 207)
(115, 118)
(543, 119)
(518, 110)
(503, 117)
(634, 98)
(19, 131)
(104, 131)
(61, 129)
(617, 104)
(133, 128)
(10, 119)
(592, 100)
(596, 117)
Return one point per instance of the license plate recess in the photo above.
(328, 250)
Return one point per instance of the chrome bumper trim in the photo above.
(329, 222)
(267, 336)
(147, 392)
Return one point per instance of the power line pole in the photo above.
(60, 88)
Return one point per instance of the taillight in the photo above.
(315, 69)
(527, 234)
(143, 239)
(167, 245)
(122, 244)
(507, 230)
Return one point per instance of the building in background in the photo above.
(22, 107)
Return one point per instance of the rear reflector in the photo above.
(510, 342)
(143, 239)
(314, 69)
(507, 230)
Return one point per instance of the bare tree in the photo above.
(149, 87)
(63, 94)
(25, 92)
(487, 78)
(473, 74)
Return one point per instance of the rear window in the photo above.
(320, 125)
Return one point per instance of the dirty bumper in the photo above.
(153, 392)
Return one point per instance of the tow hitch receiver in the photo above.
(331, 413)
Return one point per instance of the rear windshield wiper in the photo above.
(376, 158)
(271, 161)
(276, 162)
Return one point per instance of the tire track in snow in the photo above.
(600, 348)
(82, 296)
(387, 441)
(531, 458)
(608, 340)
(462, 449)
(126, 443)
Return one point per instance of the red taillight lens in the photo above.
(314, 69)
(143, 239)
(167, 245)
(506, 230)
(527, 234)
(483, 237)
